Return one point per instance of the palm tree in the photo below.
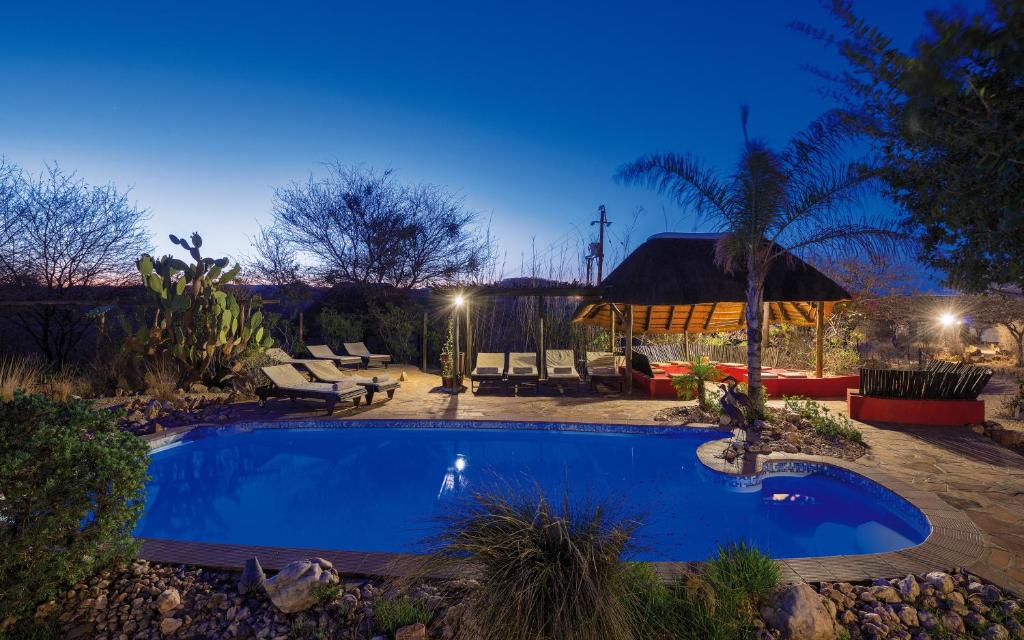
(693, 383)
(800, 199)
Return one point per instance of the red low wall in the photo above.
(901, 411)
(660, 386)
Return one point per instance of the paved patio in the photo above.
(964, 470)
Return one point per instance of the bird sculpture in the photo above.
(738, 398)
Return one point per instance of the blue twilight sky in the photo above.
(525, 108)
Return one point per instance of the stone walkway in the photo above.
(965, 470)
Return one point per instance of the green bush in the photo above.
(394, 613)
(823, 420)
(336, 328)
(692, 385)
(72, 487)
(720, 603)
(544, 571)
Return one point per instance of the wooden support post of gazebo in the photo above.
(456, 369)
(819, 339)
(423, 344)
(542, 360)
(611, 329)
(469, 337)
(629, 348)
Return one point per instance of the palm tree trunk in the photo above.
(755, 293)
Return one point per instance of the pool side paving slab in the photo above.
(970, 489)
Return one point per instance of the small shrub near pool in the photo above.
(719, 603)
(72, 487)
(825, 423)
(544, 570)
(395, 613)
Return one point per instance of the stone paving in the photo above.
(965, 470)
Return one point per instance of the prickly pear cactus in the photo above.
(195, 322)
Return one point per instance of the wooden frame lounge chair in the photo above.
(603, 368)
(490, 367)
(359, 349)
(323, 352)
(325, 371)
(522, 369)
(289, 383)
(561, 368)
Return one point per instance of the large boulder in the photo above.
(800, 613)
(293, 589)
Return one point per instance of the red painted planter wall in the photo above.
(931, 412)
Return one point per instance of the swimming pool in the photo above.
(381, 486)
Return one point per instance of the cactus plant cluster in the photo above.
(196, 322)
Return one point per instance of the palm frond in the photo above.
(682, 178)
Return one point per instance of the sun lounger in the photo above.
(289, 383)
(522, 369)
(359, 349)
(325, 371)
(323, 352)
(490, 367)
(561, 369)
(280, 355)
(603, 368)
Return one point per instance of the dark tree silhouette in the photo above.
(359, 226)
(60, 236)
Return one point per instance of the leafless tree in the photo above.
(358, 225)
(64, 235)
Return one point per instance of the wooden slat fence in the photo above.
(937, 381)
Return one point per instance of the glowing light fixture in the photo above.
(459, 300)
(947, 319)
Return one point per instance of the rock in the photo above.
(293, 588)
(909, 589)
(412, 632)
(168, 600)
(991, 593)
(997, 632)
(886, 594)
(908, 616)
(252, 578)
(170, 625)
(927, 620)
(952, 621)
(800, 613)
(940, 581)
(975, 622)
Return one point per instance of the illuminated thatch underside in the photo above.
(699, 318)
(674, 285)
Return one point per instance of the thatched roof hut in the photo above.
(673, 285)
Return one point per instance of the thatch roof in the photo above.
(675, 286)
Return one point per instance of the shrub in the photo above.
(72, 487)
(394, 613)
(396, 325)
(336, 328)
(823, 420)
(742, 568)
(692, 384)
(544, 571)
(719, 603)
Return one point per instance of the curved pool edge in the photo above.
(954, 541)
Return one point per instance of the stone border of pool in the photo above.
(954, 541)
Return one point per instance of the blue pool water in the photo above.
(380, 486)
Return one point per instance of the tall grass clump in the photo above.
(392, 614)
(545, 571)
(718, 603)
(19, 374)
(161, 379)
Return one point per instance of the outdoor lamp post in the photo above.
(458, 301)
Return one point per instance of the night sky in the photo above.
(525, 108)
